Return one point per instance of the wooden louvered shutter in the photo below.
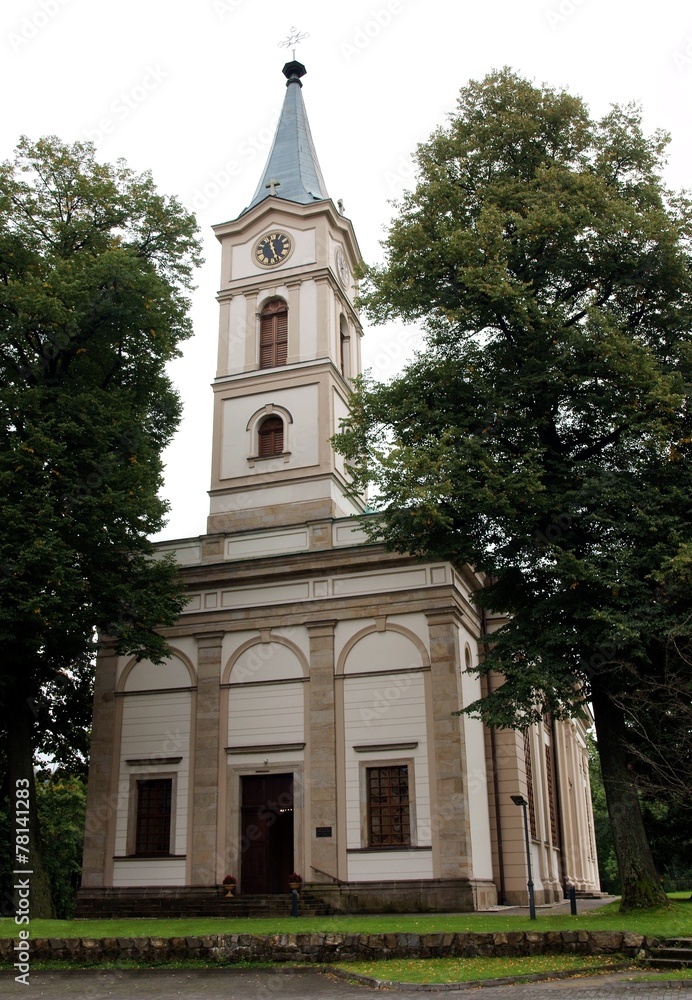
(271, 437)
(273, 335)
(281, 338)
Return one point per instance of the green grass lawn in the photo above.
(654, 974)
(463, 970)
(675, 921)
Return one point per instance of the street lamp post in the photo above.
(519, 800)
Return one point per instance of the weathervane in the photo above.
(293, 39)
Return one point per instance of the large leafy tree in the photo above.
(544, 434)
(94, 268)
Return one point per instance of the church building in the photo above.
(304, 720)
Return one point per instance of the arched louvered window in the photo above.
(344, 348)
(271, 437)
(274, 334)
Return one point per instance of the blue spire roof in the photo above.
(292, 171)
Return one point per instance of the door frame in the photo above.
(237, 771)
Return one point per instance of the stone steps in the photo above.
(192, 902)
(270, 906)
(674, 953)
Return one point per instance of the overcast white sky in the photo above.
(186, 88)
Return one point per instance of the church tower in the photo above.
(289, 342)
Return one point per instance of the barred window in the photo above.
(153, 832)
(274, 334)
(389, 823)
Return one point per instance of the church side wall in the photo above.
(477, 777)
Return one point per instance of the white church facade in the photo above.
(304, 721)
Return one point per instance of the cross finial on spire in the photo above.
(294, 37)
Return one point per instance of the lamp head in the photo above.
(518, 800)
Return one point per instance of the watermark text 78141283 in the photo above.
(22, 879)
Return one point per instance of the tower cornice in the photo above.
(279, 209)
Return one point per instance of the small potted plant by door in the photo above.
(294, 881)
(229, 883)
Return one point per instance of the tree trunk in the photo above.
(27, 857)
(641, 887)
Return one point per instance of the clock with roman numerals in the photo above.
(272, 249)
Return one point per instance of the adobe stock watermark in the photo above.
(391, 356)
(402, 176)
(207, 191)
(683, 57)
(223, 8)
(557, 15)
(22, 879)
(33, 24)
(366, 33)
(126, 102)
(384, 699)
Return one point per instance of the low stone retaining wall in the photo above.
(325, 948)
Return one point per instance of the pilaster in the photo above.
(322, 744)
(204, 776)
(102, 797)
(452, 821)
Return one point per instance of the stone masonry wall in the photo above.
(324, 948)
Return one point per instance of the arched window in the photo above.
(274, 334)
(344, 347)
(271, 437)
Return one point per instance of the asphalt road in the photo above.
(244, 984)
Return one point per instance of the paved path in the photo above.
(551, 908)
(244, 984)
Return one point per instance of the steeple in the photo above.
(289, 347)
(292, 171)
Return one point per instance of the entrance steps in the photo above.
(256, 905)
(193, 901)
(673, 953)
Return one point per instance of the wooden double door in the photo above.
(266, 845)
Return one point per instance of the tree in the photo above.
(607, 865)
(94, 266)
(62, 812)
(544, 435)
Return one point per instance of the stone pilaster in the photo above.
(101, 797)
(322, 742)
(205, 770)
(452, 823)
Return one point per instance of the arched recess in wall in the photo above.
(142, 675)
(384, 689)
(380, 644)
(266, 444)
(154, 726)
(385, 678)
(265, 677)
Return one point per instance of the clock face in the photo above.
(272, 249)
(342, 267)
